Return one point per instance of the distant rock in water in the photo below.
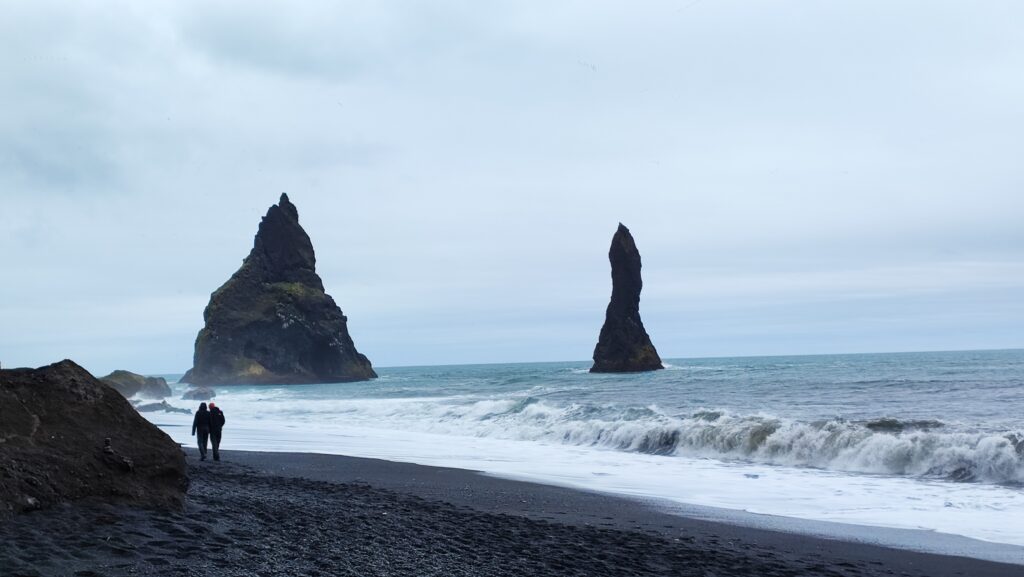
(161, 406)
(130, 384)
(124, 382)
(199, 394)
(624, 346)
(155, 388)
(272, 322)
(66, 436)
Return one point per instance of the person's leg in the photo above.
(215, 442)
(202, 435)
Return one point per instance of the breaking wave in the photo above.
(886, 446)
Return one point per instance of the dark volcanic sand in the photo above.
(253, 515)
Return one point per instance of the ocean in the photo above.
(931, 441)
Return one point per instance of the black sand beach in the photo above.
(268, 514)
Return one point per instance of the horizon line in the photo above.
(412, 366)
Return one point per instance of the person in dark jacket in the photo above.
(201, 424)
(216, 424)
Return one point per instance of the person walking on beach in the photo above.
(201, 424)
(216, 424)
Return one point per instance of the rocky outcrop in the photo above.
(161, 406)
(155, 388)
(64, 435)
(199, 394)
(130, 384)
(272, 322)
(124, 382)
(624, 345)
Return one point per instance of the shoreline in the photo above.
(263, 513)
(817, 502)
(497, 493)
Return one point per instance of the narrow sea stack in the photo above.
(272, 322)
(624, 346)
(64, 436)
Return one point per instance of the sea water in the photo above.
(931, 441)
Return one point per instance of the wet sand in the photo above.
(270, 514)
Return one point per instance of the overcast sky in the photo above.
(800, 176)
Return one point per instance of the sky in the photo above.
(801, 177)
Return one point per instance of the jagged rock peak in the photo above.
(272, 322)
(624, 345)
(282, 251)
(288, 208)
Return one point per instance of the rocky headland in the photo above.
(624, 346)
(66, 436)
(272, 322)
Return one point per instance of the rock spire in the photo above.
(272, 322)
(624, 345)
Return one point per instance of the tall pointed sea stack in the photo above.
(624, 346)
(272, 322)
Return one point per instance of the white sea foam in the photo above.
(894, 474)
(884, 446)
(987, 512)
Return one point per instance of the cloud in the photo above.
(787, 170)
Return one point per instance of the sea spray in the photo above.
(911, 448)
